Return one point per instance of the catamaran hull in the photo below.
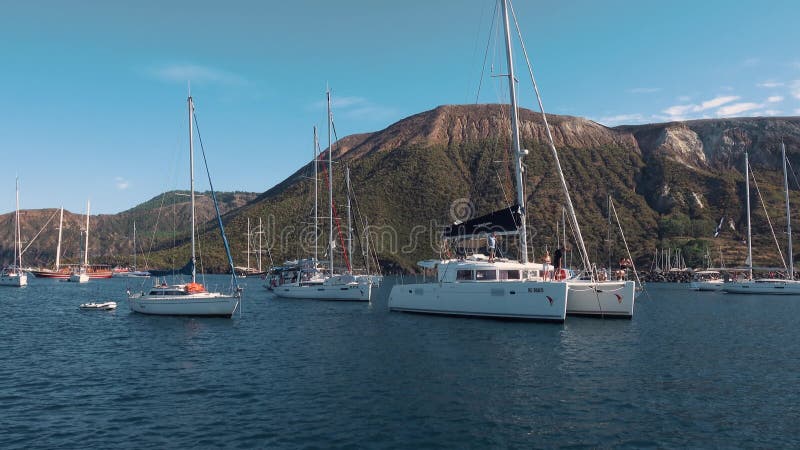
(209, 307)
(360, 292)
(526, 300)
(601, 298)
(763, 288)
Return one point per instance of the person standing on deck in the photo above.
(491, 242)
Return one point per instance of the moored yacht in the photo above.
(13, 275)
(489, 288)
(706, 280)
(190, 299)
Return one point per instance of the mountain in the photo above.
(671, 184)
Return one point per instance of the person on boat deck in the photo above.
(557, 256)
(491, 242)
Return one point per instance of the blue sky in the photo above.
(92, 93)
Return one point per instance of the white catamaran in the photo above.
(190, 299)
(474, 286)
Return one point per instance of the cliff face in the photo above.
(671, 184)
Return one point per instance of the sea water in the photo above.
(689, 370)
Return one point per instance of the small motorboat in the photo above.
(105, 305)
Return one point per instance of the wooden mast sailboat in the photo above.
(190, 299)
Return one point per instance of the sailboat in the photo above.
(131, 272)
(190, 299)
(58, 272)
(475, 286)
(80, 274)
(13, 275)
(768, 286)
(310, 281)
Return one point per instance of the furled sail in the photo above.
(503, 222)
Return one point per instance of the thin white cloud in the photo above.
(684, 98)
(769, 84)
(718, 101)
(621, 119)
(737, 108)
(774, 99)
(679, 112)
(181, 73)
(358, 108)
(121, 183)
(772, 112)
(643, 90)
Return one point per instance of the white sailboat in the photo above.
(131, 272)
(81, 273)
(475, 286)
(310, 283)
(707, 280)
(13, 275)
(766, 286)
(190, 299)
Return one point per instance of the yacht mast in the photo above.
(18, 249)
(518, 153)
(58, 246)
(191, 183)
(316, 197)
(349, 217)
(134, 245)
(86, 246)
(249, 238)
(788, 213)
(749, 232)
(330, 182)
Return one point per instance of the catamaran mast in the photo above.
(349, 217)
(330, 181)
(573, 217)
(316, 197)
(518, 153)
(788, 213)
(191, 182)
(58, 245)
(749, 233)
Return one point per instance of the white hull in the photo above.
(130, 275)
(79, 278)
(709, 285)
(14, 280)
(107, 306)
(601, 298)
(206, 304)
(763, 287)
(355, 292)
(531, 300)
